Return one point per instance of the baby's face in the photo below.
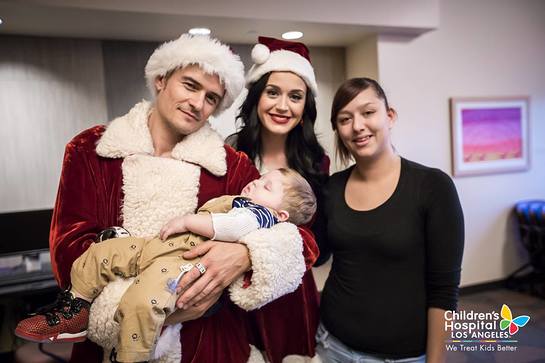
(267, 191)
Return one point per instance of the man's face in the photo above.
(187, 98)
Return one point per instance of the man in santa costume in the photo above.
(161, 160)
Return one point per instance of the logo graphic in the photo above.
(509, 322)
(473, 331)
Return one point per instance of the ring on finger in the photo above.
(200, 267)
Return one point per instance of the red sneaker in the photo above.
(65, 320)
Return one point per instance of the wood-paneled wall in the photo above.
(50, 89)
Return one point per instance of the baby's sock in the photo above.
(76, 294)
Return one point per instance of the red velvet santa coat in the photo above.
(110, 178)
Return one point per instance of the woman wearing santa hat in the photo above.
(277, 131)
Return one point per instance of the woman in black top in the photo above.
(396, 231)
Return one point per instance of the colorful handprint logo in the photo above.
(509, 322)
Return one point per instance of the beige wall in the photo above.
(362, 58)
(482, 48)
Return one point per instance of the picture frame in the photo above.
(490, 135)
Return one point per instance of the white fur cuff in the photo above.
(278, 266)
(104, 331)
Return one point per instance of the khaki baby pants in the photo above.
(148, 301)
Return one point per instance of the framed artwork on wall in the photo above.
(489, 135)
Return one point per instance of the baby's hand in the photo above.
(175, 225)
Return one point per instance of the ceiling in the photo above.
(322, 22)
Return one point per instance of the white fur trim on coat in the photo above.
(301, 359)
(256, 356)
(157, 190)
(277, 262)
(209, 53)
(130, 135)
(169, 348)
(204, 148)
(104, 331)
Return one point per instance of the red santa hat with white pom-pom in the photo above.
(282, 56)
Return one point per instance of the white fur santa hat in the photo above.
(272, 54)
(209, 53)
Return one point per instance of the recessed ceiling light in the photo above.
(292, 35)
(199, 31)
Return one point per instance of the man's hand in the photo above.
(224, 263)
(192, 312)
(174, 226)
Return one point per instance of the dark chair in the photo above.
(531, 220)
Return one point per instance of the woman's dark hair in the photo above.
(303, 152)
(344, 95)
